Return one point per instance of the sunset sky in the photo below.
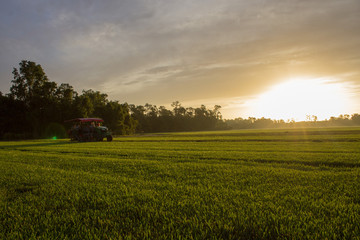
(270, 58)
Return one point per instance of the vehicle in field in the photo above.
(88, 129)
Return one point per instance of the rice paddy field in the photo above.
(245, 184)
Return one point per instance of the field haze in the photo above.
(249, 184)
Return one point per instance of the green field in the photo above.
(250, 184)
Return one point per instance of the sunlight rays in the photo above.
(300, 97)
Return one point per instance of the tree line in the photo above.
(254, 123)
(151, 118)
(36, 107)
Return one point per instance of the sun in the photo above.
(298, 98)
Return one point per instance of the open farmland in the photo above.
(250, 184)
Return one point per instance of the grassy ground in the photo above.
(251, 184)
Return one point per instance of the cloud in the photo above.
(158, 51)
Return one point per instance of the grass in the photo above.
(250, 184)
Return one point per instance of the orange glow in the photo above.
(298, 98)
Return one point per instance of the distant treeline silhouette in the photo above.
(37, 108)
(151, 118)
(250, 123)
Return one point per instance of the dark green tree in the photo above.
(37, 107)
(32, 87)
(118, 119)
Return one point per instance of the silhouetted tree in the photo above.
(356, 119)
(37, 107)
(32, 87)
(153, 119)
(118, 119)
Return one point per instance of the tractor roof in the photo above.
(85, 120)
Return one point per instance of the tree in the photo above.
(98, 101)
(13, 118)
(138, 113)
(37, 107)
(178, 109)
(163, 112)
(32, 87)
(30, 81)
(65, 93)
(118, 119)
(216, 112)
(66, 101)
(356, 119)
(151, 110)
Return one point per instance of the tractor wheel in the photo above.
(109, 138)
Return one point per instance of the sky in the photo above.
(233, 53)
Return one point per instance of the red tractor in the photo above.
(88, 129)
